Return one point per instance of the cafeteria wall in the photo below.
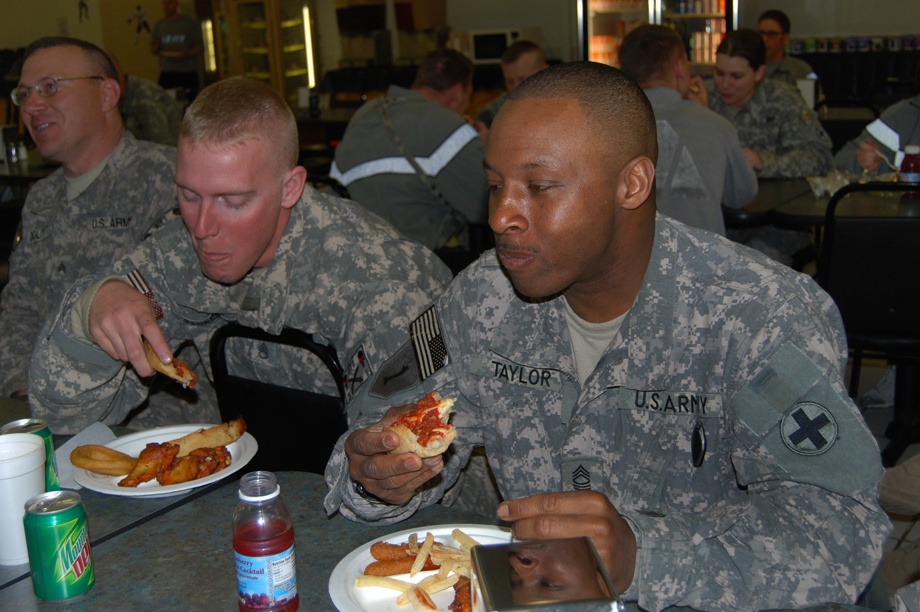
(107, 23)
(556, 20)
(837, 17)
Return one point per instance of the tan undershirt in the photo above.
(589, 340)
(79, 184)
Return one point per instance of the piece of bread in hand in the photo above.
(425, 430)
(176, 369)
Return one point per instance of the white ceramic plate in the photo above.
(347, 597)
(241, 452)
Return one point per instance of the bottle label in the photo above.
(910, 177)
(266, 582)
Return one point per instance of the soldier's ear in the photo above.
(637, 180)
(111, 94)
(293, 186)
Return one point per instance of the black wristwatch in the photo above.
(372, 499)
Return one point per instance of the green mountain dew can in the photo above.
(60, 557)
(40, 428)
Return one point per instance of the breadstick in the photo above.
(102, 460)
(219, 435)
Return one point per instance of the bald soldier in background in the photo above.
(674, 396)
(522, 59)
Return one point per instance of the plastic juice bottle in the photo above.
(263, 544)
(910, 165)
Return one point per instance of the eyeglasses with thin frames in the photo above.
(45, 88)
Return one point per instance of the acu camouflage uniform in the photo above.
(150, 112)
(779, 126)
(340, 273)
(789, 70)
(721, 344)
(63, 240)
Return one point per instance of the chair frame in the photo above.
(312, 434)
(885, 321)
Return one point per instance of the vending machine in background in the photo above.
(701, 23)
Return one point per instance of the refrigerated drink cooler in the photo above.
(701, 23)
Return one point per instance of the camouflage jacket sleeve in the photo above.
(20, 312)
(150, 112)
(802, 147)
(365, 410)
(801, 535)
(740, 178)
(73, 382)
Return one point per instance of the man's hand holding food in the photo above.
(123, 324)
(395, 477)
(390, 478)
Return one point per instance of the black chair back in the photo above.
(295, 429)
(870, 264)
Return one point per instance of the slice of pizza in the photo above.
(425, 430)
(176, 369)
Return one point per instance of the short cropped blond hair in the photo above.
(236, 109)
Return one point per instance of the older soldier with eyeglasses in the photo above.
(110, 191)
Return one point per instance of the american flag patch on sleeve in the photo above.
(137, 281)
(430, 352)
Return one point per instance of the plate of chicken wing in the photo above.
(163, 467)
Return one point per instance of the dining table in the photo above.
(771, 194)
(176, 552)
(808, 211)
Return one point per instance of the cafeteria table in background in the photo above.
(178, 552)
(771, 194)
(807, 211)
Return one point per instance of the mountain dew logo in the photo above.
(73, 554)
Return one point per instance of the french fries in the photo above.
(423, 552)
(452, 562)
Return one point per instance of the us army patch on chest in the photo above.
(506, 371)
(671, 402)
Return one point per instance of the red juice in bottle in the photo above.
(263, 546)
(910, 171)
(910, 165)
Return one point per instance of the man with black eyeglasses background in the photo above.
(774, 27)
(109, 193)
